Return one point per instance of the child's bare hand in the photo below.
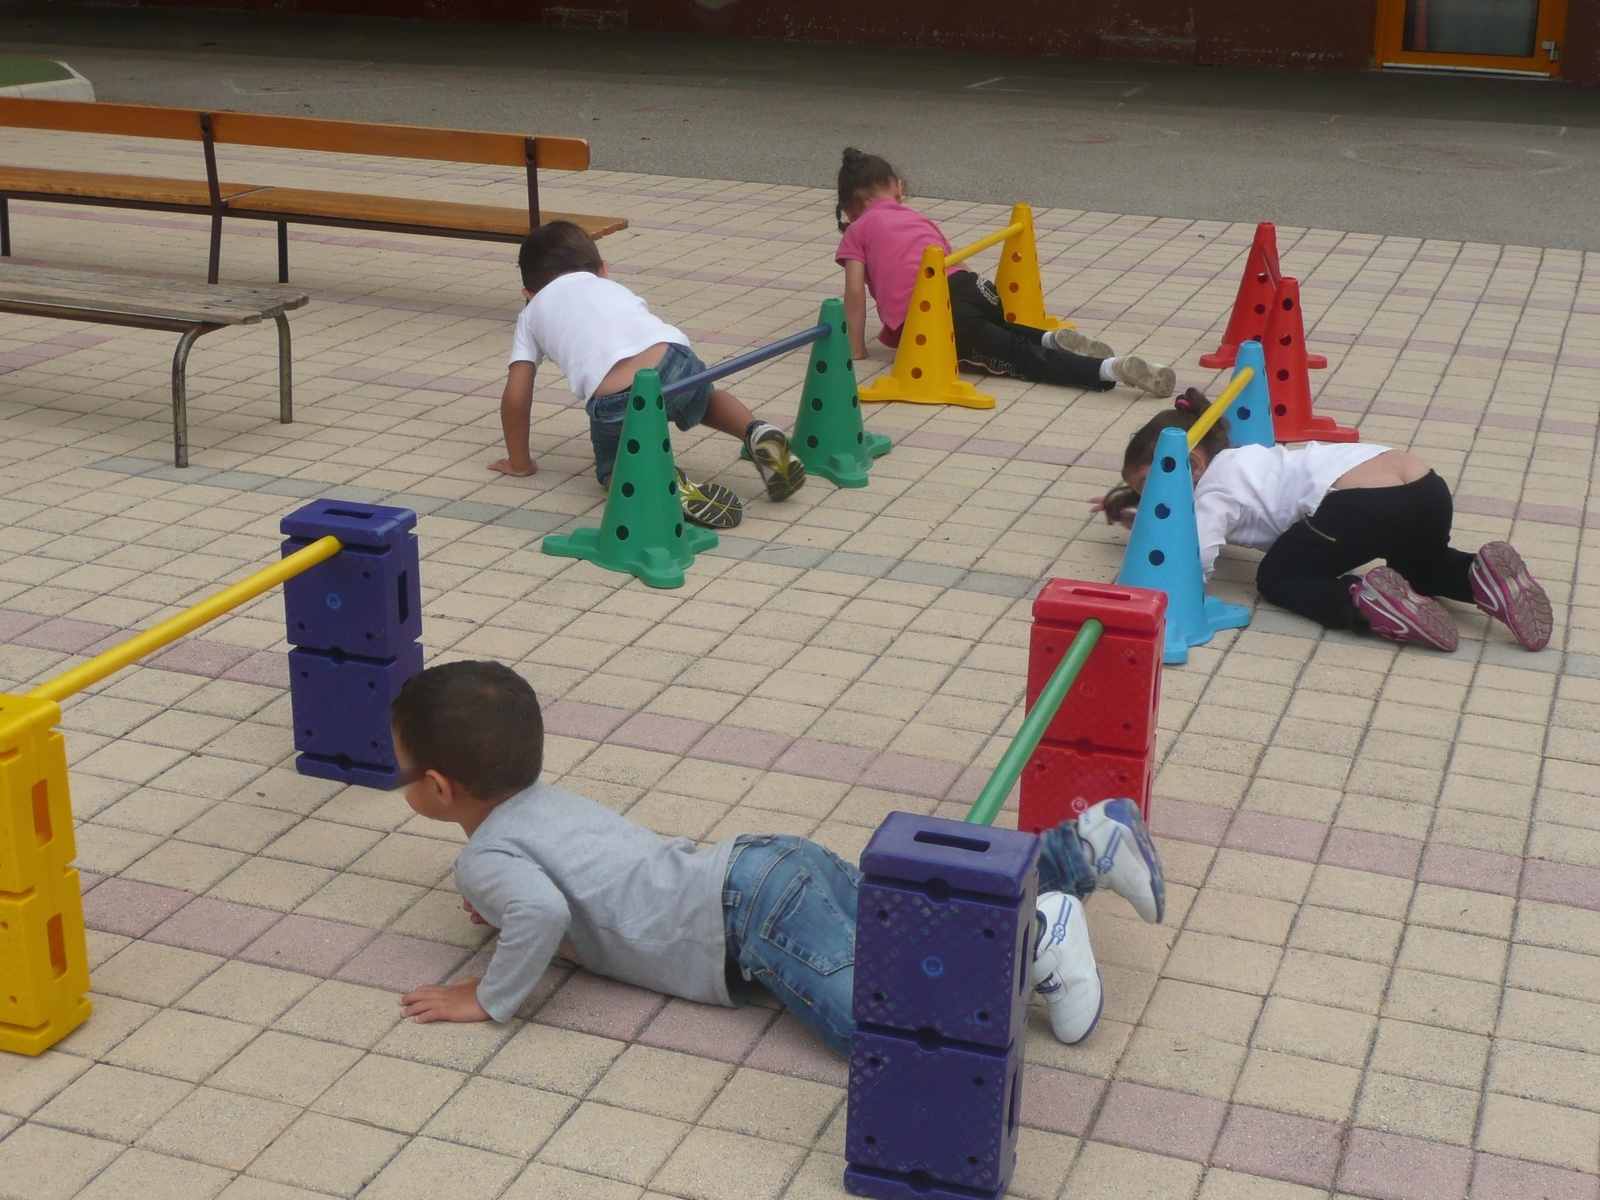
(472, 912)
(517, 470)
(456, 1001)
(1124, 518)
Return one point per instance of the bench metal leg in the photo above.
(285, 372)
(283, 252)
(5, 227)
(180, 393)
(216, 249)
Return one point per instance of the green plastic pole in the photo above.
(993, 796)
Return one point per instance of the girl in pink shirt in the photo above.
(881, 251)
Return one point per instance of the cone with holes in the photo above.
(1164, 553)
(643, 532)
(925, 370)
(1250, 414)
(1254, 300)
(828, 435)
(1017, 278)
(1288, 379)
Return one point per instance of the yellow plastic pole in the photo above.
(1219, 406)
(190, 619)
(983, 243)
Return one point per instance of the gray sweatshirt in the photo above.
(548, 864)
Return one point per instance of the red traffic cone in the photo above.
(1288, 381)
(1251, 305)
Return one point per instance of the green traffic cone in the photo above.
(643, 531)
(828, 435)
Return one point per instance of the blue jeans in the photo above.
(789, 911)
(686, 409)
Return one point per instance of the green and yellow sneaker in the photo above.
(709, 504)
(768, 447)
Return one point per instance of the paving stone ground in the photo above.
(1380, 971)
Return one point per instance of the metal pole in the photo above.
(190, 619)
(782, 346)
(1026, 741)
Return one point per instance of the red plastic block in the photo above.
(1101, 744)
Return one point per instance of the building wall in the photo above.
(1330, 34)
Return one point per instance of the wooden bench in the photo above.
(145, 303)
(217, 199)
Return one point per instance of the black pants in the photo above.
(1306, 571)
(985, 339)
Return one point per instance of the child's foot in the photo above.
(1124, 858)
(516, 470)
(1507, 592)
(1063, 969)
(1148, 377)
(709, 504)
(1074, 342)
(781, 471)
(1396, 612)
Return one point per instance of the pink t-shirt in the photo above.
(888, 239)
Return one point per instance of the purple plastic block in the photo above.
(953, 854)
(375, 526)
(859, 1181)
(341, 704)
(951, 963)
(365, 774)
(360, 601)
(928, 1111)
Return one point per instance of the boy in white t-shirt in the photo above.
(599, 333)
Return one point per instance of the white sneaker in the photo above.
(1074, 342)
(1064, 970)
(1144, 376)
(1124, 858)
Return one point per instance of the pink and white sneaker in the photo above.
(1506, 591)
(1396, 612)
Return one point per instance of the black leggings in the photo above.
(1407, 526)
(985, 339)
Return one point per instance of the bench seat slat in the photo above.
(394, 210)
(128, 189)
(93, 291)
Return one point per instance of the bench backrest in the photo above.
(79, 116)
(296, 133)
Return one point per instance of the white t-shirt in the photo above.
(587, 325)
(1250, 496)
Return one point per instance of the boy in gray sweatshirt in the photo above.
(550, 869)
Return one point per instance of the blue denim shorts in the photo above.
(686, 409)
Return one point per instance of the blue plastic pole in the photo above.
(782, 346)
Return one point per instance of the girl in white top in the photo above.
(1323, 511)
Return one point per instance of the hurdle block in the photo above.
(944, 936)
(44, 959)
(354, 621)
(1101, 743)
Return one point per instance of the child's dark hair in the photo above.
(1185, 411)
(476, 723)
(553, 250)
(860, 174)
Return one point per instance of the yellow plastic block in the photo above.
(35, 807)
(1017, 278)
(925, 369)
(44, 965)
(44, 957)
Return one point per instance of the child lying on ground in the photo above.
(542, 865)
(599, 334)
(1321, 512)
(881, 252)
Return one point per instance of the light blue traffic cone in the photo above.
(1250, 414)
(1164, 552)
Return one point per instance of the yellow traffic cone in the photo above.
(925, 370)
(1017, 280)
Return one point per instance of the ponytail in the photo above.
(1185, 411)
(859, 175)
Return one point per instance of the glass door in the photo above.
(1473, 35)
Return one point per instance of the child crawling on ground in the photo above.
(599, 334)
(543, 865)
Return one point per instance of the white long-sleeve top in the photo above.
(1251, 495)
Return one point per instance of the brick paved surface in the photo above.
(1380, 971)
